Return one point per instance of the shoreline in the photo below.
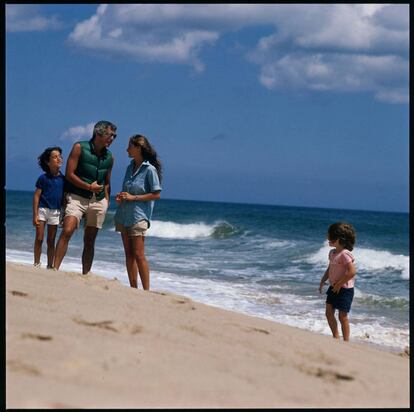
(87, 341)
(403, 350)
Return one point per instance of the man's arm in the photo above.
(108, 181)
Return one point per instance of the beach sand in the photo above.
(76, 341)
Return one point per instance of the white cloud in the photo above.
(339, 47)
(344, 48)
(27, 17)
(123, 30)
(78, 132)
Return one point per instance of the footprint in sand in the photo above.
(36, 336)
(135, 329)
(18, 366)
(159, 293)
(192, 329)
(325, 374)
(183, 301)
(18, 293)
(104, 324)
(266, 332)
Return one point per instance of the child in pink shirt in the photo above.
(341, 274)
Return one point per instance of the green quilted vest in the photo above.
(91, 168)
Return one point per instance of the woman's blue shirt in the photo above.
(144, 180)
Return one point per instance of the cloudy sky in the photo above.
(286, 104)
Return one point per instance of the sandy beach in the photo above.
(76, 341)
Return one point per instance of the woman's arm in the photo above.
(141, 198)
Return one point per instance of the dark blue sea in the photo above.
(261, 260)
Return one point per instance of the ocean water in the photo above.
(261, 260)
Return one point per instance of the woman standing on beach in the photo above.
(140, 188)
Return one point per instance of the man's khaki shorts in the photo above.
(139, 229)
(93, 210)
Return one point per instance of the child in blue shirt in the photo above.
(47, 202)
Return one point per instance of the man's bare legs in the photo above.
(88, 253)
(51, 237)
(69, 226)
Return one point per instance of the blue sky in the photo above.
(302, 105)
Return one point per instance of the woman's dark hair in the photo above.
(344, 232)
(148, 152)
(44, 158)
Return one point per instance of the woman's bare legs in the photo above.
(131, 264)
(136, 261)
(143, 268)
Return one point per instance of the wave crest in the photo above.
(173, 230)
(368, 260)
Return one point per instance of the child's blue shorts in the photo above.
(342, 300)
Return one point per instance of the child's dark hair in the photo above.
(44, 158)
(344, 232)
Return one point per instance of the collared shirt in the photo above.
(52, 190)
(144, 180)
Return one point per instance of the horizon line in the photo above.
(261, 204)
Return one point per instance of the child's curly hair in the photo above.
(344, 232)
(44, 158)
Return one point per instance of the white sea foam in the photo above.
(277, 305)
(280, 306)
(71, 264)
(368, 259)
(279, 244)
(172, 230)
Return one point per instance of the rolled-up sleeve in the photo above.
(153, 181)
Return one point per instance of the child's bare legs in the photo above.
(330, 316)
(40, 231)
(51, 236)
(343, 318)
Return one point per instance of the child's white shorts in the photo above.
(50, 216)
